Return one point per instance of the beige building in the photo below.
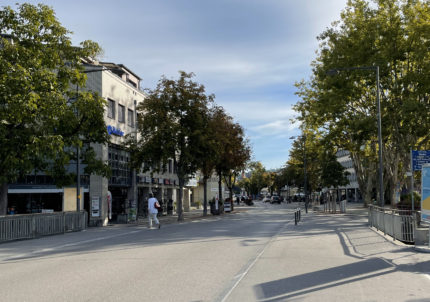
(123, 197)
(212, 189)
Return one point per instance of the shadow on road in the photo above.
(260, 223)
(282, 289)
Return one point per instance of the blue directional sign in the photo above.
(419, 158)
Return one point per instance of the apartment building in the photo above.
(121, 198)
(351, 191)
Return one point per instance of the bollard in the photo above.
(297, 216)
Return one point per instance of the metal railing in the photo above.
(399, 224)
(29, 226)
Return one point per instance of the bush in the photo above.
(406, 202)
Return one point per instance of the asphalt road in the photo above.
(254, 255)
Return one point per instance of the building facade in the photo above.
(124, 196)
(351, 191)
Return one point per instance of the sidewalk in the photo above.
(359, 210)
(191, 215)
(353, 208)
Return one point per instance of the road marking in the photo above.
(242, 275)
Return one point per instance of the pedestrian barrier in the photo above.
(297, 215)
(14, 227)
(399, 224)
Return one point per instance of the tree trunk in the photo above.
(205, 196)
(219, 190)
(3, 198)
(181, 194)
(231, 199)
(365, 177)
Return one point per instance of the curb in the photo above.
(422, 248)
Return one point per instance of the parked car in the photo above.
(275, 199)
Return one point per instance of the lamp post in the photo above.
(376, 69)
(78, 149)
(304, 170)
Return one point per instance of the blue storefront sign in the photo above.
(419, 158)
(115, 131)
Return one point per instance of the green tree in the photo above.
(171, 125)
(259, 177)
(39, 69)
(333, 174)
(235, 156)
(394, 35)
(232, 150)
(209, 148)
(305, 153)
(244, 183)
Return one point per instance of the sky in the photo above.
(248, 53)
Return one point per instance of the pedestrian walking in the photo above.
(152, 210)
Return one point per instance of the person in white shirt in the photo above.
(152, 210)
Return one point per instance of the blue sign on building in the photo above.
(115, 131)
(419, 158)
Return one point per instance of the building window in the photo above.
(130, 118)
(111, 109)
(121, 173)
(121, 113)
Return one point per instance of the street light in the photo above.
(376, 69)
(304, 169)
(78, 149)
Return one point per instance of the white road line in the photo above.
(253, 263)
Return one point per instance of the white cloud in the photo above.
(248, 53)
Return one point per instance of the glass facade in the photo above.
(119, 161)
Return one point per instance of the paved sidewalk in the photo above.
(359, 210)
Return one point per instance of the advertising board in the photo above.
(425, 193)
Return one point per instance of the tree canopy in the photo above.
(391, 34)
(42, 115)
(171, 124)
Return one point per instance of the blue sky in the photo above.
(249, 53)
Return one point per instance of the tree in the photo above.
(171, 124)
(39, 125)
(394, 35)
(209, 148)
(232, 149)
(333, 174)
(259, 177)
(305, 153)
(234, 156)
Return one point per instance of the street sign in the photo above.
(419, 158)
(227, 206)
(95, 206)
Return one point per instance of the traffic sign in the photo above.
(419, 158)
